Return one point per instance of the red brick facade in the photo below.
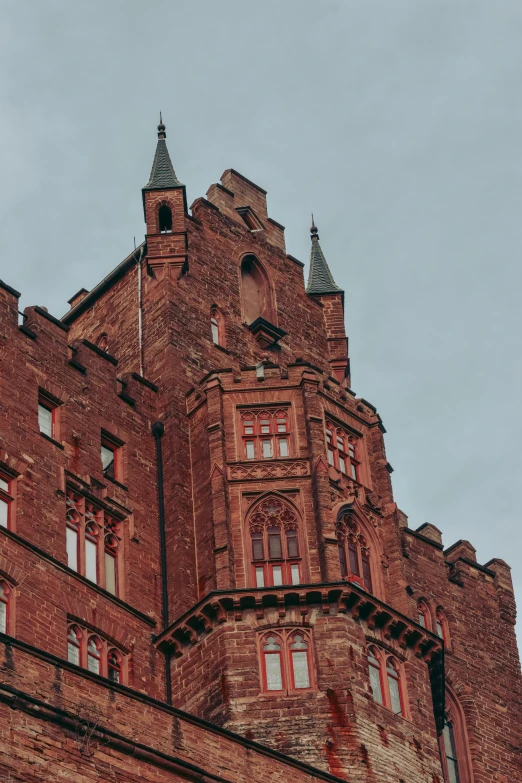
(260, 557)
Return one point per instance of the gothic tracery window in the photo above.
(265, 433)
(275, 545)
(386, 680)
(453, 744)
(341, 450)
(286, 660)
(93, 542)
(354, 552)
(92, 652)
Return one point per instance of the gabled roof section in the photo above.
(162, 175)
(320, 280)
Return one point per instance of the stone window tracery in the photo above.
(265, 433)
(93, 539)
(386, 680)
(90, 651)
(275, 546)
(286, 660)
(354, 552)
(341, 448)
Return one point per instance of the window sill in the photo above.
(116, 482)
(221, 348)
(51, 440)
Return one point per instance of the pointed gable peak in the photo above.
(320, 280)
(162, 175)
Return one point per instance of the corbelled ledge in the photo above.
(343, 597)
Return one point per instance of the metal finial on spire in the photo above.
(320, 280)
(161, 129)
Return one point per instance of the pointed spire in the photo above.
(320, 280)
(162, 175)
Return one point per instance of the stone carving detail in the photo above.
(267, 470)
(373, 501)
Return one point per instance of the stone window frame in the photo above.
(384, 658)
(217, 326)
(455, 719)
(8, 497)
(89, 522)
(92, 646)
(7, 601)
(52, 405)
(356, 556)
(258, 413)
(259, 520)
(286, 637)
(342, 448)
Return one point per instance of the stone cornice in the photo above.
(343, 597)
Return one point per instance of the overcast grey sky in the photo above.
(398, 122)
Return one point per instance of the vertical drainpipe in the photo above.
(157, 431)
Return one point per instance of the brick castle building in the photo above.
(203, 572)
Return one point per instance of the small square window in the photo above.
(47, 415)
(111, 458)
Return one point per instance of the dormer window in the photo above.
(165, 219)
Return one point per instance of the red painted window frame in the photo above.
(104, 647)
(285, 637)
(349, 543)
(383, 656)
(9, 497)
(82, 512)
(258, 416)
(6, 599)
(424, 612)
(345, 455)
(114, 445)
(50, 403)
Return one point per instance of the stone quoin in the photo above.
(203, 573)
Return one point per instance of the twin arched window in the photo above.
(286, 660)
(341, 449)
(93, 542)
(275, 547)
(165, 219)
(94, 653)
(438, 624)
(386, 680)
(354, 552)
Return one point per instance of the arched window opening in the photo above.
(274, 537)
(386, 680)
(94, 651)
(93, 542)
(394, 686)
(424, 615)
(354, 553)
(272, 661)
(286, 661)
(91, 547)
(103, 343)
(114, 666)
(374, 663)
(300, 663)
(265, 434)
(441, 626)
(5, 593)
(341, 450)
(453, 744)
(74, 640)
(255, 292)
(165, 219)
(217, 327)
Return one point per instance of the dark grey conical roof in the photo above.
(320, 280)
(162, 175)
